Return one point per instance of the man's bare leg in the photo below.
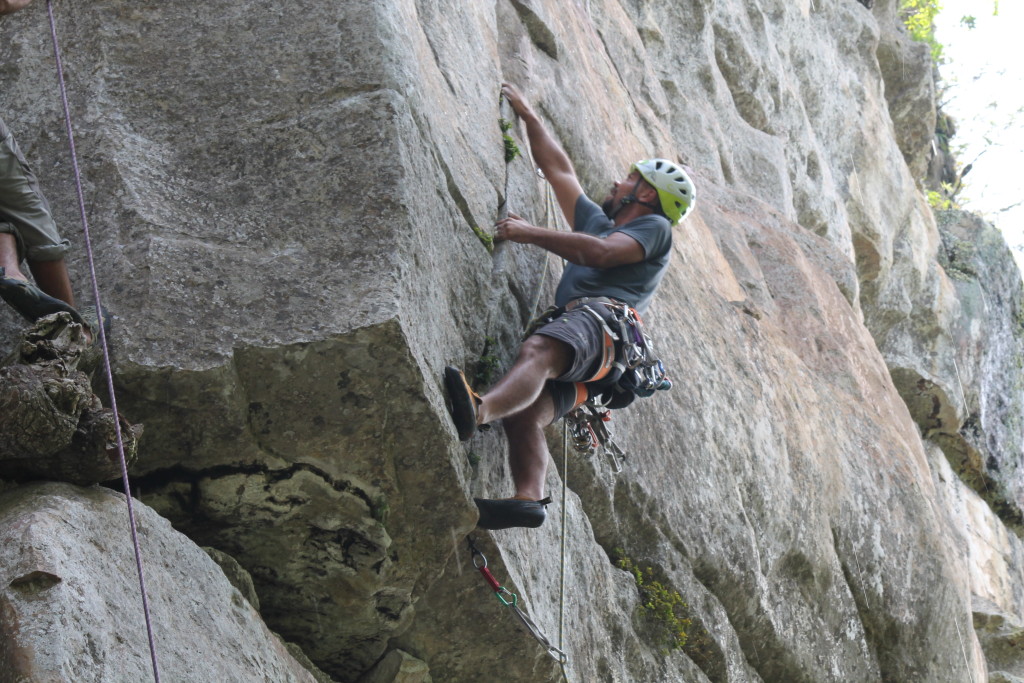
(9, 257)
(528, 448)
(540, 359)
(526, 407)
(51, 276)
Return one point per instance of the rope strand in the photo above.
(561, 572)
(102, 335)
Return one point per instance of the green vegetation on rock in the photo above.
(661, 604)
(485, 238)
(511, 148)
(487, 366)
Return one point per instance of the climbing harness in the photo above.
(102, 335)
(511, 600)
(636, 371)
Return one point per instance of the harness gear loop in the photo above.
(102, 335)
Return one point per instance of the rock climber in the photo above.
(28, 233)
(616, 252)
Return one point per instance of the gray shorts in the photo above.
(581, 331)
(24, 211)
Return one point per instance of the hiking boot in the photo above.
(510, 512)
(464, 402)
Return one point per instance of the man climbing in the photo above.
(28, 233)
(617, 252)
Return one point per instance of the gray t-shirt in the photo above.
(633, 283)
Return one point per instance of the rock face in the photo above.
(70, 608)
(289, 205)
(984, 440)
(51, 424)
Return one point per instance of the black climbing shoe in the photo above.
(30, 301)
(509, 513)
(464, 402)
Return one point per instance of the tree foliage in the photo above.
(919, 18)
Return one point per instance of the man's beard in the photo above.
(609, 208)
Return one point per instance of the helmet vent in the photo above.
(657, 166)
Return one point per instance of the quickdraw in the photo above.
(511, 600)
(588, 430)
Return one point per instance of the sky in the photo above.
(983, 75)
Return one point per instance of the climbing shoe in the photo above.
(510, 512)
(30, 301)
(464, 402)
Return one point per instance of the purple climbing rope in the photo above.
(103, 337)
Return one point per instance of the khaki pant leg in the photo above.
(24, 210)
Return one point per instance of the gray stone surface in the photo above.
(236, 575)
(984, 440)
(1002, 637)
(910, 90)
(70, 607)
(285, 201)
(398, 667)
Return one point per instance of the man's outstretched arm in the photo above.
(580, 248)
(547, 154)
(8, 6)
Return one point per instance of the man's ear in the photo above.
(647, 193)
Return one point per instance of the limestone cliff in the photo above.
(286, 199)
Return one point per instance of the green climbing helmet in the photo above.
(675, 189)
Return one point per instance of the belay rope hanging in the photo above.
(102, 336)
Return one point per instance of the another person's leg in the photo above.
(30, 301)
(9, 260)
(27, 231)
(52, 277)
